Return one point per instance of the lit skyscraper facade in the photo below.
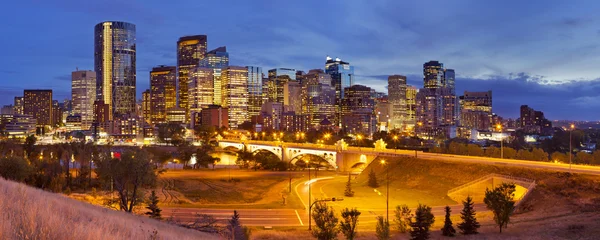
(255, 92)
(433, 74)
(200, 90)
(278, 77)
(476, 110)
(83, 95)
(318, 96)
(163, 92)
(216, 59)
(449, 80)
(292, 94)
(437, 105)
(358, 110)
(115, 66)
(190, 50)
(146, 107)
(397, 100)
(234, 89)
(342, 76)
(411, 106)
(18, 106)
(38, 104)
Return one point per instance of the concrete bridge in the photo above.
(340, 156)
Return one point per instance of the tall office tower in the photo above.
(216, 59)
(318, 96)
(476, 110)
(278, 77)
(449, 80)
(433, 74)
(200, 90)
(18, 105)
(146, 106)
(449, 107)
(56, 113)
(534, 121)
(101, 112)
(357, 110)
(429, 110)
(163, 92)
(397, 99)
(411, 106)
(114, 63)
(83, 95)
(38, 104)
(255, 91)
(342, 76)
(272, 113)
(234, 89)
(292, 99)
(382, 113)
(190, 51)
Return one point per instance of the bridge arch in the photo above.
(254, 148)
(326, 158)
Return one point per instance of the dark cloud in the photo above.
(66, 78)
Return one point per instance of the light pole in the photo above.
(499, 127)
(571, 146)
(309, 197)
(387, 192)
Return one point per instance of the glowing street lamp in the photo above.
(387, 191)
(499, 128)
(570, 146)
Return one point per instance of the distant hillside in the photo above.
(29, 213)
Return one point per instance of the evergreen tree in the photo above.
(383, 229)
(348, 225)
(423, 221)
(402, 218)
(153, 209)
(469, 224)
(236, 231)
(373, 179)
(448, 230)
(325, 222)
(348, 192)
(500, 201)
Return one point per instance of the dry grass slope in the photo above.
(29, 213)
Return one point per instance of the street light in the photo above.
(317, 201)
(570, 146)
(387, 192)
(499, 127)
(309, 194)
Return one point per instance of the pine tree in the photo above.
(236, 230)
(382, 230)
(448, 230)
(423, 221)
(469, 224)
(402, 218)
(153, 209)
(373, 179)
(349, 192)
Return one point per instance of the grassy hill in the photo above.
(29, 213)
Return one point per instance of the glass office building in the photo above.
(115, 67)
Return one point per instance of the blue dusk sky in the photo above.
(542, 53)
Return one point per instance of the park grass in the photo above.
(213, 189)
(29, 213)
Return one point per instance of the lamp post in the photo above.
(309, 195)
(317, 201)
(387, 192)
(499, 127)
(571, 146)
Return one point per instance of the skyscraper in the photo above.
(255, 99)
(397, 100)
(83, 95)
(216, 59)
(278, 77)
(146, 106)
(38, 104)
(114, 63)
(411, 106)
(433, 74)
(357, 110)
(449, 79)
(200, 90)
(190, 50)
(163, 92)
(18, 105)
(318, 96)
(292, 101)
(342, 76)
(234, 89)
(476, 110)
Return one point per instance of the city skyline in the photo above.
(518, 65)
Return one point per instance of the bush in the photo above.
(15, 168)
